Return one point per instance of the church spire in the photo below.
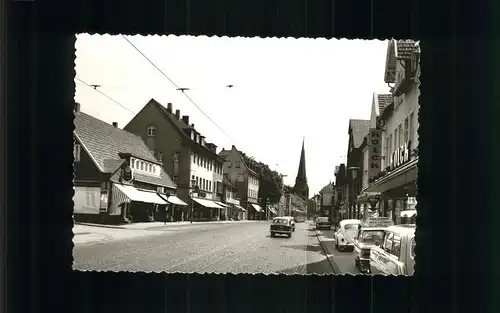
(301, 188)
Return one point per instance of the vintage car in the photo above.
(292, 219)
(368, 237)
(323, 222)
(396, 253)
(282, 226)
(345, 235)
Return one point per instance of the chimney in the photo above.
(192, 126)
(115, 124)
(185, 119)
(169, 107)
(77, 107)
(202, 140)
(178, 114)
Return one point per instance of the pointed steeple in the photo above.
(301, 188)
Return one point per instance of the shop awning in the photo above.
(207, 203)
(174, 200)
(403, 175)
(222, 204)
(257, 207)
(134, 194)
(408, 213)
(239, 207)
(272, 210)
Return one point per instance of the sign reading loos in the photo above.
(374, 152)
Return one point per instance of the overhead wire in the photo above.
(177, 87)
(105, 95)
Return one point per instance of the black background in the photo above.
(456, 252)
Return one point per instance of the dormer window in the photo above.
(151, 131)
(76, 152)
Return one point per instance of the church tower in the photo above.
(301, 189)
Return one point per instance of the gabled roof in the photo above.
(359, 129)
(383, 101)
(397, 49)
(182, 128)
(103, 142)
(243, 157)
(327, 189)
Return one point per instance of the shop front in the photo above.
(397, 187)
(224, 212)
(369, 204)
(257, 211)
(205, 210)
(173, 210)
(135, 205)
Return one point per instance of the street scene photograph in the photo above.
(196, 154)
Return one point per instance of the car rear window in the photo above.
(322, 219)
(351, 226)
(280, 221)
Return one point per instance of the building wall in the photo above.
(204, 175)
(253, 187)
(239, 176)
(402, 111)
(365, 168)
(167, 141)
(86, 171)
(326, 198)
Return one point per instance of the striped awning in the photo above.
(239, 207)
(257, 207)
(408, 213)
(222, 204)
(272, 210)
(173, 200)
(207, 203)
(133, 194)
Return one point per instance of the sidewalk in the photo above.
(84, 234)
(156, 225)
(327, 242)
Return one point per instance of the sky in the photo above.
(285, 90)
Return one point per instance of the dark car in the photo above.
(323, 223)
(282, 226)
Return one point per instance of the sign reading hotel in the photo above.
(374, 146)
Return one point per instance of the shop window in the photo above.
(151, 131)
(388, 242)
(76, 152)
(396, 246)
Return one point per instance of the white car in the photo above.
(346, 234)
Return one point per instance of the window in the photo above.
(395, 139)
(205, 163)
(151, 131)
(142, 166)
(210, 185)
(197, 182)
(410, 126)
(396, 246)
(386, 148)
(390, 147)
(198, 160)
(132, 163)
(406, 130)
(150, 168)
(413, 245)
(160, 189)
(400, 134)
(194, 158)
(159, 156)
(203, 183)
(238, 164)
(176, 157)
(76, 152)
(211, 165)
(388, 242)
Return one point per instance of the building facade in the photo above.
(242, 172)
(231, 198)
(358, 129)
(396, 182)
(327, 195)
(117, 178)
(186, 156)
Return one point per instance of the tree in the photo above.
(270, 186)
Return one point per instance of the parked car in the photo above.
(371, 232)
(323, 222)
(292, 220)
(396, 253)
(345, 235)
(282, 226)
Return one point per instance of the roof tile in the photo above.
(104, 142)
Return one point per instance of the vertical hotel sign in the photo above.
(374, 146)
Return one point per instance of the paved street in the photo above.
(207, 248)
(343, 262)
